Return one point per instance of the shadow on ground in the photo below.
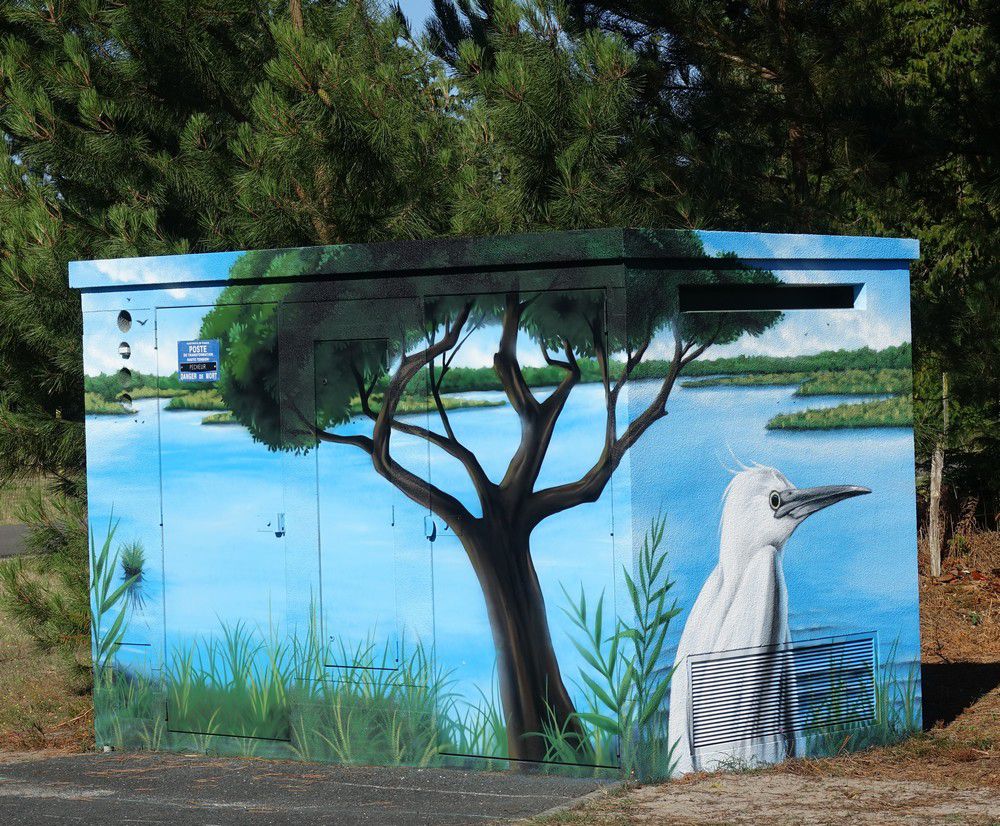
(180, 790)
(950, 688)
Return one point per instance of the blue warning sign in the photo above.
(198, 360)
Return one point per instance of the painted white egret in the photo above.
(744, 604)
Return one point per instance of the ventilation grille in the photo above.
(775, 691)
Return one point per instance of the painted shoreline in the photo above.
(894, 411)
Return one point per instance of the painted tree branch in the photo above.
(447, 443)
(537, 426)
(588, 488)
(505, 362)
(435, 384)
(420, 490)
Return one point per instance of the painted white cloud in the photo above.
(144, 271)
(479, 349)
(881, 320)
(804, 333)
(100, 353)
(836, 330)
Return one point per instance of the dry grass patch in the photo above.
(960, 610)
(40, 707)
(14, 496)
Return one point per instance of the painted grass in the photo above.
(242, 684)
(236, 685)
(897, 712)
(409, 404)
(623, 713)
(751, 380)
(418, 404)
(858, 383)
(894, 412)
(93, 404)
(239, 684)
(225, 417)
(157, 393)
(460, 379)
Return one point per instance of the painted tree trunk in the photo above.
(531, 686)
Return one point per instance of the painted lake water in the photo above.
(222, 493)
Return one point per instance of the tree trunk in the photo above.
(295, 12)
(935, 534)
(531, 686)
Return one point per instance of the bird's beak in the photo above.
(798, 503)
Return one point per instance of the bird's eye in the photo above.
(775, 500)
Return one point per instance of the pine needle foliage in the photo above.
(46, 592)
(555, 134)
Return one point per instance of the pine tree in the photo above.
(853, 116)
(104, 111)
(556, 133)
(170, 127)
(944, 191)
(770, 114)
(350, 137)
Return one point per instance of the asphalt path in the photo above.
(180, 790)
(12, 539)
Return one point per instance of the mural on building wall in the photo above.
(460, 527)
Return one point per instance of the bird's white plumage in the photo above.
(743, 604)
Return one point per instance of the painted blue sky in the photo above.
(882, 318)
(881, 321)
(101, 347)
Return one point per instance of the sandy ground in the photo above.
(937, 777)
(793, 799)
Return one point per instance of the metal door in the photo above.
(223, 557)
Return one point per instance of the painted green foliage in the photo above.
(245, 320)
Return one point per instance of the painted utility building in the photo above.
(611, 501)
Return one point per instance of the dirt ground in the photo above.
(949, 774)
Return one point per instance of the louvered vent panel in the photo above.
(775, 691)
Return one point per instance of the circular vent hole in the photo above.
(124, 350)
(124, 321)
(124, 398)
(124, 375)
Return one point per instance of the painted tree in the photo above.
(270, 393)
